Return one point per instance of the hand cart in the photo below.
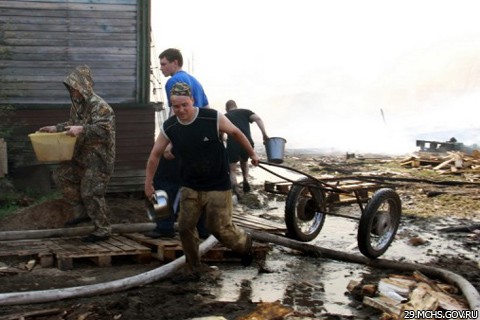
(309, 200)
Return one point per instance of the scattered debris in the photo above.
(454, 162)
(269, 310)
(416, 241)
(31, 314)
(469, 228)
(397, 294)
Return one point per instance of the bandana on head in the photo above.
(181, 89)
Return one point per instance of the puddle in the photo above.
(308, 284)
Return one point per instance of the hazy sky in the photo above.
(322, 73)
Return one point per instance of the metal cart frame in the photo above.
(309, 200)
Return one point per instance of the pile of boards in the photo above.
(450, 162)
(397, 295)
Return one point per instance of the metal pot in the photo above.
(157, 206)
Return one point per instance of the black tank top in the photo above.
(202, 155)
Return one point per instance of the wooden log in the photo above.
(384, 304)
(421, 298)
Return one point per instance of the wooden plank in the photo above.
(60, 73)
(444, 164)
(382, 303)
(22, 248)
(255, 226)
(65, 20)
(103, 261)
(359, 186)
(65, 13)
(70, 6)
(64, 66)
(122, 244)
(162, 249)
(71, 29)
(421, 298)
(101, 247)
(170, 249)
(46, 260)
(68, 247)
(401, 287)
(65, 263)
(261, 221)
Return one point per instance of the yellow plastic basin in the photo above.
(52, 147)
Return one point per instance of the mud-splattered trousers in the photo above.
(206, 186)
(84, 189)
(217, 206)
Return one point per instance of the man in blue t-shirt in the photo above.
(167, 176)
(171, 63)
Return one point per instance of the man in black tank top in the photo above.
(204, 174)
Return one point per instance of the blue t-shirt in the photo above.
(199, 97)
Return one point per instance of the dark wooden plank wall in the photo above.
(42, 41)
(134, 137)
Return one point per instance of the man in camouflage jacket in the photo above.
(83, 180)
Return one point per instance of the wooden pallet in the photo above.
(161, 249)
(259, 224)
(64, 251)
(171, 249)
(100, 253)
(347, 189)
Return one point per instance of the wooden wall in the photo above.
(41, 41)
(134, 141)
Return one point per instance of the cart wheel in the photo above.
(379, 223)
(304, 211)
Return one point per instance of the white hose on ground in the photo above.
(470, 293)
(162, 272)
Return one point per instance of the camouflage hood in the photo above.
(81, 80)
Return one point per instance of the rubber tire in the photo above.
(293, 230)
(366, 221)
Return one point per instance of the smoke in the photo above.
(359, 79)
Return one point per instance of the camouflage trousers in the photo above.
(217, 206)
(84, 190)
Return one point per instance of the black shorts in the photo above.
(236, 152)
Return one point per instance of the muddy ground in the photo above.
(313, 287)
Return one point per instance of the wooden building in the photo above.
(42, 41)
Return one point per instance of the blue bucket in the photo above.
(275, 148)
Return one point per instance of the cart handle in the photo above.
(326, 186)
